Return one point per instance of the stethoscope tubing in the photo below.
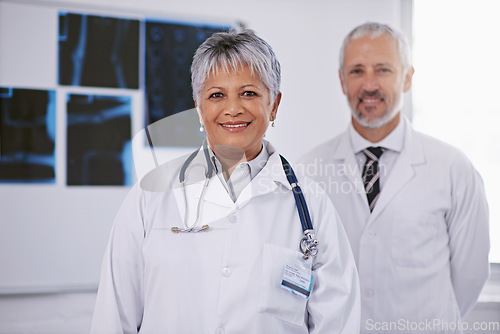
(308, 244)
(305, 218)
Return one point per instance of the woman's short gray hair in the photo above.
(374, 30)
(229, 51)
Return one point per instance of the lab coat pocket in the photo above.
(275, 300)
(414, 239)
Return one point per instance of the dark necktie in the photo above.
(371, 174)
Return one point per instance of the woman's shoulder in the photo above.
(162, 176)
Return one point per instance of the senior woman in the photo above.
(210, 244)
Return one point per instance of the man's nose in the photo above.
(370, 82)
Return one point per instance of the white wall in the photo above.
(306, 36)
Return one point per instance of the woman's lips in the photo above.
(235, 126)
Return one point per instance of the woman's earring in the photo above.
(272, 122)
(202, 128)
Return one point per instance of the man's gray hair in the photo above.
(229, 51)
(374, 30)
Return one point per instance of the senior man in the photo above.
(414, 208)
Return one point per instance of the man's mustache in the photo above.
(371, 94)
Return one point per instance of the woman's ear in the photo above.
(274, 109)
(198, 111)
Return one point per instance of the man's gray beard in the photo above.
(379, 121)
(374, 123)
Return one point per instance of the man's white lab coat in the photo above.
(422, 255)
(225, 280)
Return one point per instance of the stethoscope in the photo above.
(308, 244)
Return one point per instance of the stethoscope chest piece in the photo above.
(309, 244)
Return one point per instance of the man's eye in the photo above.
(249, 93)
(384, 70)
(355, 71)
(216, 95)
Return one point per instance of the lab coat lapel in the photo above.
(402, 172)
(195, 177)
(266, 180)
(264, 183)
(217, 194)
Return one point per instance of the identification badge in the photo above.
(297, 277)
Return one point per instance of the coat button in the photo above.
(371, 234)
(226, 272)
(369, 293)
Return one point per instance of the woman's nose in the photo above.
(233, 106)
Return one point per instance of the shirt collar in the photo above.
(393, 141)
(255, 165)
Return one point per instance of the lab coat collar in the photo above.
(412, 146)
(265, 181)
(402, 171)
(412, 154)
(273, 171)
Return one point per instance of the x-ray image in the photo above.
(98, 140)
(27, 135)
(98, 51)
(169, 52)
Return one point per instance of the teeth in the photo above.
(235, 126)
(370, 100)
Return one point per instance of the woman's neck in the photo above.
(229, 157)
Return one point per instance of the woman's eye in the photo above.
(249, 93)
(216, 95)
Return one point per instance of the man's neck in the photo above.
(377, 134)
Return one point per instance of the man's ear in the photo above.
(408, 79)
(341, 81)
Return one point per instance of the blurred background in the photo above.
(80, 81)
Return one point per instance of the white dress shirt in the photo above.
(227, 279)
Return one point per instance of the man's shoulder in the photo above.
(440, 154)
(324, 150)
(437, 148)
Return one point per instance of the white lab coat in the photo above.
(225, 280)
(422, 255)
